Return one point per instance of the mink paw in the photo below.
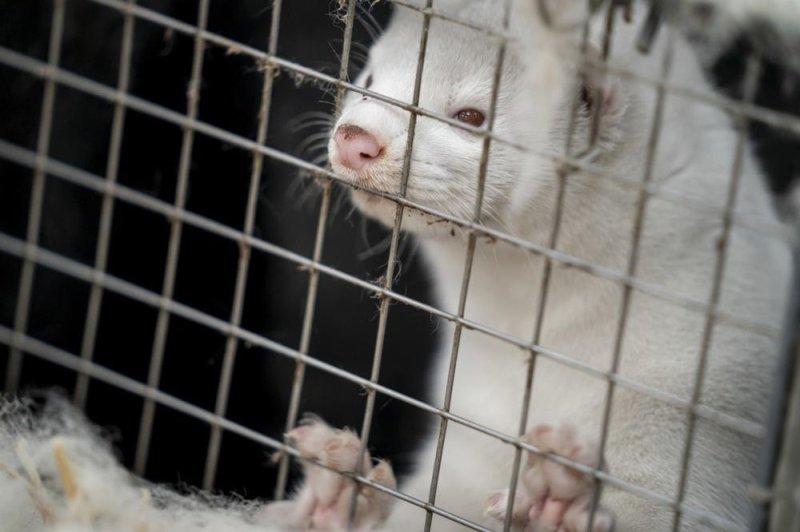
(324, 499)
(552, 497)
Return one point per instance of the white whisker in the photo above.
(311, 141)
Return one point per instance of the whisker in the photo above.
(331, 98)
(361, 57)
(312, 139)
(370, 24)
(341, 199)
(367, 21)
(309, 124)
(319, 159)
(379, 247)
(349, 214)
(297, 192)
(314, 151)
(311, 148)
(361, 47)
(309, 114)
(357, 49)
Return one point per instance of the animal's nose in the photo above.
(356, 147)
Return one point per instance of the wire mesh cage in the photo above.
(178, 253)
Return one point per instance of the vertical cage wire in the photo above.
(107, 210)
(245, 251)
(785, 482)
(562, 174)
(173, 249)
(22, 310)
(305, 335)
(313, 272)
(468, 262)
(633, 256)
(388, 277)
(752, 73)
(777, 494)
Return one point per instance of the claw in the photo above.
(324, 500)
(497, 506)
(310, 436)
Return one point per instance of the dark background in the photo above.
(346, 317)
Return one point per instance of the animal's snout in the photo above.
(356, 147)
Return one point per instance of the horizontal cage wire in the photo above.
(206, 39)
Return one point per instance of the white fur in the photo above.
(695, 154)
(102, 497)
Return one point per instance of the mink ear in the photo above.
(603, 98)
(566, 16)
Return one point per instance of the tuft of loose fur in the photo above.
(58, 474)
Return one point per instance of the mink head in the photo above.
(370, 140)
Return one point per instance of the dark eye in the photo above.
(368, 83)
(472, 117)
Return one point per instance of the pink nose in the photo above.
(356, 146)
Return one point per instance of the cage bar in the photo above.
(777, 492)
(750, 84)
(467, 271)
(229, 358)
(633, 257)
(313, 273)
(784, 481)
(174, 246)
(391, 261)
(562, 174)
(22, 310)
(107, 211)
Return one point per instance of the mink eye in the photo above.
(368, 83)
(472, 117)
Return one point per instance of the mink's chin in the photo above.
(362, 197)
(384, 211)
(377, 207)
(374, 206)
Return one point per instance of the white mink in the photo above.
(695, 151)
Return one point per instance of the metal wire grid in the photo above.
(33, 255)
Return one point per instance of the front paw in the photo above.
(324, 499)
(552, 497)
